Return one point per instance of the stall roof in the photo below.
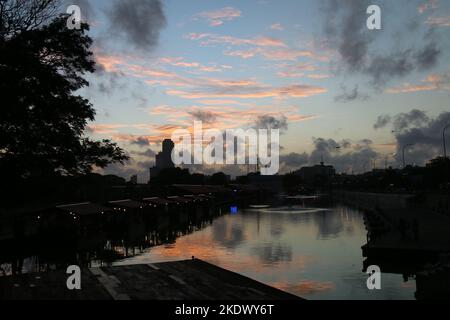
(85, 208)
(157, 201)
(128, 203)
(180, 199)
(196, 197)
(243, 187)
(201, 189)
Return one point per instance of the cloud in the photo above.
(422, 131)
(382, 68)
(140, 141)
(109, 81)
(109, 128)
(411, 88)
(147, 153)
(227, 117)
(382, 121)
(277, 27)
(244, 54)
(218, 17)
(344, 155)
(271, 54)
(414, 118)
(295, 70)
(204, 116)
(318, 76)
(267, 47)
(180, 62)
(108, 63)
(427, 57)
(432, 82)
(138, 21)
(251, 92)
(352, 95)
(345, 30)
(286, 54)
(260, 41)
(272, 122)
(293, 161)
(417, 128)
(443, 21)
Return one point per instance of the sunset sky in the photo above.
(310, 68)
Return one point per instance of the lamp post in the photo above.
(443, 140)
(403, 152)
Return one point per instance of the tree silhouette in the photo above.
(17, 16)
(42, 121)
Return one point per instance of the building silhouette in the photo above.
(320, 172)
(134, 179)
(163, 160)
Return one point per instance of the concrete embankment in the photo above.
(372, 201)
(179, 280)
(400, 226)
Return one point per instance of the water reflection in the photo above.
(270, 253)
(57, 243)
(312, 252)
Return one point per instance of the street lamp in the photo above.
(443, 140)
(403, 152)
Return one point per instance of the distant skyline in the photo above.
(310, 68)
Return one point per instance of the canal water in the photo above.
(314, 253)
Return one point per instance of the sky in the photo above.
(337, 90)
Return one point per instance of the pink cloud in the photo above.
(260, 41)
(110, 63)
(289, 74)
(432, 82)
(288, 54)
(319, 76)
(256, 92)
(244, 54)
(218, 17)
(180, 62)
(443, 21)
(271, 54)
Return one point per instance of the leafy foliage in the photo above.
(42, 120)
